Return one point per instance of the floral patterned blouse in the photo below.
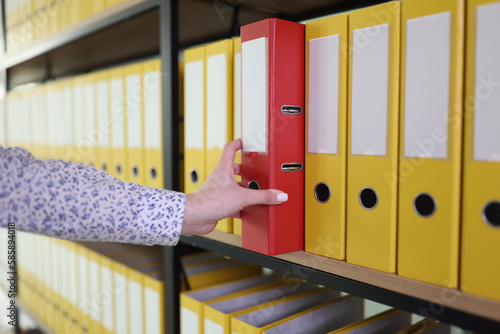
(72, 201)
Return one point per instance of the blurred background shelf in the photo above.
(432, 301)
(131, 30)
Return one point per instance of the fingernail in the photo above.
(282, 197)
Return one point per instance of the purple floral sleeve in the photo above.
(78, 202)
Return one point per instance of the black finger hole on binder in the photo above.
(322, 192)
(194, 176)
(135, 171)
(368, 198)
(424, 205)
(491, 213)
(104, 167)
(253, 185)
(118, 169)
(153, 173)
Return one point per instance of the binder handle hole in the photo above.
(491, 214)
(118, 169)
(291, 110)
(104, 167)
(322, 192)
(194, 176)
(153, 173)
(424, 205)
(368, 198)
(253, 185)
(135, 171)
(292, 167)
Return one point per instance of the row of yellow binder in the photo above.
(28, 21)
(275, 303)
(75, 289)
(97, 287)
(110, 119)
(211, 112)
(392, 182)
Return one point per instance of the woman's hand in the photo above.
(221, 196)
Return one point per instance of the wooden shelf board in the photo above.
(434, 294)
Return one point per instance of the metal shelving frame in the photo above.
(168, 49)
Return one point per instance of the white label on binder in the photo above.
(194, 105)
(427, 86)
(53, 119)
(370, 75)
(120, 293)
(135, 306)
(217, 86)
(189, 321)
(487, 91)
(2, 126)
(102, 112)
(106, 298)
(83, 283)
(94, 310)
(34, 115)
(89, 134)
(55, 282)
(254, 95)
(68, 132)
(117, 113)
(153, 316)
(323, 104)
(237, 96)
(152, 110)
(134, 103)
(210, 327)
(79, 119)
(72, 287)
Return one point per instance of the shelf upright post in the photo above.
(169, 29)
(3, 51)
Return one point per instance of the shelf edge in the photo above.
(436, 296)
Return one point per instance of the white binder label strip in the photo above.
(323, 95)
(117, 113)
(134, 116)
(370, 66)
(194, 106)
(254, 90)
(189, 321)
(237, 96)
(102, 111)
(152, 110)
(153, 316)
(487, 87)
(217, 86)
(427, 86)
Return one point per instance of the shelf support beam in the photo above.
(169, 40)
(169, 28)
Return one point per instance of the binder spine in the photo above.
(285, 142)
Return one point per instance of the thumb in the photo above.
(267, 197)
